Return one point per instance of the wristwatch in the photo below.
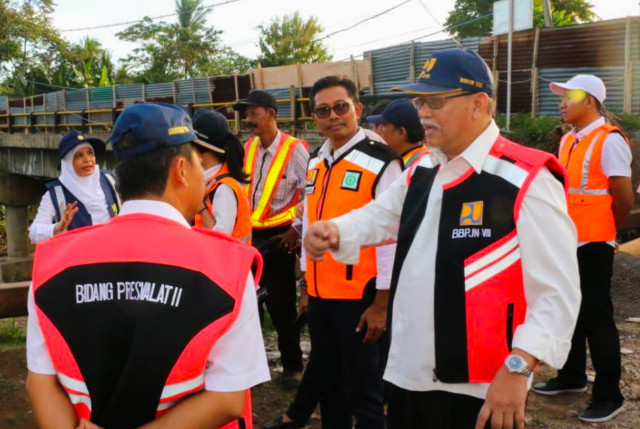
(517, 365)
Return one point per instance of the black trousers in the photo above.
(279, 279)
(595, 325)
(432, 410)
(342, 373)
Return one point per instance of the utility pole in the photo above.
(546, 5)
(509, 61)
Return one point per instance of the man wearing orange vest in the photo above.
(401, 129)
(597, 157)
(143, 322)
(485, 279)
(347, 304)
(276, 164)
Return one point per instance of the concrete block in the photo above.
(15, 269)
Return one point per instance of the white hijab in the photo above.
(86, 189)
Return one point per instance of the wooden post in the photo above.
(173, 91)
(372, 87)
(354, 68)
(412, 59)
(496, 42)
(87, 115)
(534, 74)
(210, 90)
(144, 92)
(236, 114)
(261, 77)
(628, 70)
(303, 105)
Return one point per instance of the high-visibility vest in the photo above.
(412, 155)
(590, 200)
(261, 217)
(130, 311)
(61, 196)
(242, 227)
(479, 297)
(349, 183)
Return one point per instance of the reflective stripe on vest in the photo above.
(412, 155)
(590, 198)
(261, 216)
(242, 227)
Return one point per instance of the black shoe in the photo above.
(601, 411)
(555, 387)
(279, 424)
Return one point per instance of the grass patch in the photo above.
(12, 333)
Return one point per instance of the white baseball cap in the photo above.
(586, 82)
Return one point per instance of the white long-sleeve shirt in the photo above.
(384, 254)
(547, 240)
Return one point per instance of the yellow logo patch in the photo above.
(430, 64)
(312, 175)
(471, 214)
(80, 137)
(178, 130)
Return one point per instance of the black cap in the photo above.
(212, 128)
(257, 98)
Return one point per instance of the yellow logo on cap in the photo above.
(80, 137)
(178, 130)
(430, 64)
(471, 214)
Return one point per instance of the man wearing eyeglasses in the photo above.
(485, 279)
(276, 165)
(597, 157)
(347, 303)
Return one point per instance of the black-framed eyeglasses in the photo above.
(435, 102)
(324, 112)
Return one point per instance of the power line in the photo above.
(424, 6)
(119, 24)
(362, 21)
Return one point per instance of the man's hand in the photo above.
(375, 318)
(69, 212)
(288, 239)
(86, 424)
(320, 238)
(303, 304)
(300, 210)
(506, 400)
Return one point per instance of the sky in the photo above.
(238, 20)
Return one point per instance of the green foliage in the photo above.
(291, 40)
(564, 12)
(628, 122)
(541, 133)
(12, 333)
(3, 223)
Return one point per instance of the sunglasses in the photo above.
(324, 112)
(435, 102)
(575, 96)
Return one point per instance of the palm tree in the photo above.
(192, 18)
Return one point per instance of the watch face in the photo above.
(514, 363)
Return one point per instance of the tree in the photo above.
(184, 49)
(564, 12)
(291, 40)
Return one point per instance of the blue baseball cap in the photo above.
(152, 126)
(451, 70)
(400, 113)
(74, 138)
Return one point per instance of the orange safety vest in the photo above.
(412, 155)
(242, 228)
(479, 290)
(590, 198)
(131, 309)
(349, 183)
(262, 216)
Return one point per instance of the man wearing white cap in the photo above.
(598, 160)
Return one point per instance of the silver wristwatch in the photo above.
(517, 365)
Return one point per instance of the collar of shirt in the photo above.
(325, 150)
(274, 145)
(210, 172)
(476, 153)
(589, 128)
(152, 207)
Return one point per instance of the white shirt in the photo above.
(616, 156)
(385, 255)
(44, 222)
(236, 362)
(547, 239)
(224, 204)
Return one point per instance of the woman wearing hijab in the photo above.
(82, 195)
(225, 206)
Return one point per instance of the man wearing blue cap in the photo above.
(143, 322)
(400, 127)
(485, 280)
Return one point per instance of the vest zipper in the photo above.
(255, 190)
(325, 182)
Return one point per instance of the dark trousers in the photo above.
(342, 373)
(279, 279)
(595, 325)
(432, 410)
